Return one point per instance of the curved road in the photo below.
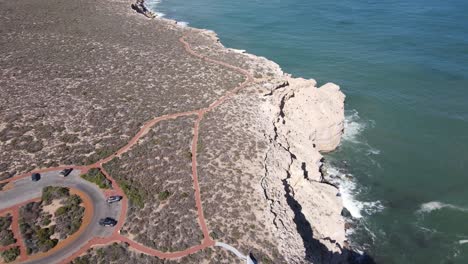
(24, 190)
(232, 249)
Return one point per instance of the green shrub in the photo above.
(5, 222)
(7, 238)
(97, 177)
(164, 195)
(62, 210)
(134, 194)
(214, 235)
(46, 220)
(10, 254)
(50, 193)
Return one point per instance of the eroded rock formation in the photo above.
(304, 120)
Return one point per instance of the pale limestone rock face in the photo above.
(314, 116)
(306, 120)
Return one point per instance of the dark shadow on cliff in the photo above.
(316, 252)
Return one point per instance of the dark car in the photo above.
(35, 177)
(108, 221)
(114, 199)
(66, 172)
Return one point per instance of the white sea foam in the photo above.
(436, 205)
(182, 23)
(373, 151)
(353, 126)
(152, 4)
(238, 50)
(348, 191)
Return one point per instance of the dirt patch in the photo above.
(51, 209)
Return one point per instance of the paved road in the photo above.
(25, 190)
(232, 249)
(236, 252)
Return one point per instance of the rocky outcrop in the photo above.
(306, 211)
(139, 7)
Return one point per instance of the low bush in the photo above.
(7, 238)
(50, 193)
(97, 177)
(69, 217)
(164, 195)
(11, 254)
(5, 222)
(134, 194)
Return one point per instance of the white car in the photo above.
(114, 199)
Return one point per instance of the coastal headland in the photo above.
(206, 144)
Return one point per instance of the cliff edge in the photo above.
(296, 120)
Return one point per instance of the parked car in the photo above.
(66, 172)
(114, 199)
(35, 177)
(108, 221)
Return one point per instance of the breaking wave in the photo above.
(353, 126)
(348, 190)
(182, 23)
(436, 205)
(152, 4)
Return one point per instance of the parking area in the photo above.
(26, 189)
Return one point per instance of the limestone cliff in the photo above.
(304, 120)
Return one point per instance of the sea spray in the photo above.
(436, 205)
(349, 191)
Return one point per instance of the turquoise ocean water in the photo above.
(403, 65)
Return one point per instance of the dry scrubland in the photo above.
(231, 165)
(78, 91)
(230, 177)
(156, 175)
(121, 253)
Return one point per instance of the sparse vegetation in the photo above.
(164, 195)
(43, 126)
(157, 179)
(6, 235)
(50, 193)
(121, 253)
(11, 254)
(226, 177)
(69, 217)
(97, 177)
(37, 239)
(35, 222)
(134, 194)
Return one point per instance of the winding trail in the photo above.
(116, 236)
